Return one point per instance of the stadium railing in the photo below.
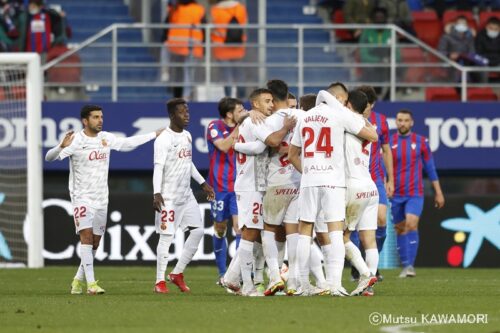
(305, 55)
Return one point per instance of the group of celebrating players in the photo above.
(281, 174)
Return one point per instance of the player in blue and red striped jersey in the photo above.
(411, 154)
(382, 175)
(221, 135)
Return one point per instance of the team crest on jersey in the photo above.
(104, 143)
(255, 219)
(213, 132)
(163, 226)
(413, 146)
(357, 161)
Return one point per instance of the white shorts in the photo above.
(250, 209)
(321, 227)
(175, 216)
(280, 204)
(87, 217)
(322, 204)
(362, 205)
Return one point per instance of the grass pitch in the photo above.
(39, 301)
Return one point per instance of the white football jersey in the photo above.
(174, 151)
(320, 134)
(281, 171)
(357, 157)
(251, 170)
(89, 165)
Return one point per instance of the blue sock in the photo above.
(380, 235)
(237, 239)
(412, 246)
(220, 250)
(355, 238)
(402, 245)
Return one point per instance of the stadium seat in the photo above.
(441, 94)
(427, 26)
(2, 94)
(484, 16)
(341, 35)
(451, 15)
(17, 92)
(413, 55)
(63, 74)
(481, 94)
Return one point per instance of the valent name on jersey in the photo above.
(316, 118)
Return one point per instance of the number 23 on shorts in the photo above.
(167, 219)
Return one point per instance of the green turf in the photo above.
(39, 301)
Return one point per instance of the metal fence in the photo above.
(115, 64)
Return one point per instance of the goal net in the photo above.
(21, 215)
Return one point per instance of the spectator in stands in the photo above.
(41, 28)
(488, 42)
(185, 45)
(229, 43)
(358, 11)
(398, 13)
(378, 52)
(458, 45)
(8, 30)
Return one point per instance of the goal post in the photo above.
(22, 87)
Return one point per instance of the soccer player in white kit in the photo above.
(174, 202)
(250, 186)
(361, 196)
(89, 154)
(317, 151)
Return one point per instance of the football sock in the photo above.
(316, 266)
(271, 254)
(338, 255)
(372, 258)
(80, 274)
(353, 254)
(237, 239)
(234, 271)
(402, 246)
(162, 256)
(355, 238)
(220, 250)
(281, 253)
(190, 248)
(380, 236)
(303, 255)
(291, 243)
(87, 262)
(246, 260)
(412, 246)
(259, 263)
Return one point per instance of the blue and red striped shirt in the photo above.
(222, 166)
(411, 153)
(377, 169)
(38, 37)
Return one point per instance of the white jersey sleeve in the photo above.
(357, 157)
(119, 143)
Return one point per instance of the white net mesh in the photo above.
(13, 164)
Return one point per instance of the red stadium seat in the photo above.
(481, 94)
(484, 16)
(427, 26)
(451, 15)
(17, 92)
(413, 55)
(341, 35)
(2, 94)
(63, 74)
(441, 94)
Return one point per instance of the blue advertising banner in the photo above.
(461, 135)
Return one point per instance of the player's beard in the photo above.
(403, 130)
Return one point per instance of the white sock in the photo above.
(233, 272)
(328, 257)
(281, 253)
(246, 260)
(291, 241)
(338, 255)
(162, 256)
(372, 257)
(316, 267)
(190, 248)
(303, 254)
(271, 254)
(353, 254)
(87, 262)
(259, 263)
(80, 274)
